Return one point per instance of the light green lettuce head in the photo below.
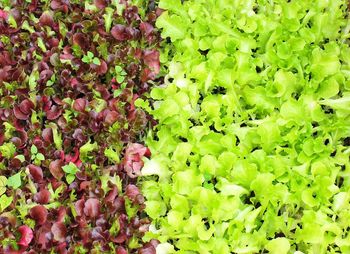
(251, 153)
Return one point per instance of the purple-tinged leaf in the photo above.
(16, 141)
(15, 163)
(81, 40)
(45, 75)
(111, 195)
(146, 29)
(53, 113)
(133, 159)
(39, 214)
(3, 14)
(61, 213)
(101, 4)
(120, 238)
(132, 33)
(92, 207)
(47, 135)
(147, 75)
(111, 117)
(151, 59)
(74, 158)
(44, 236)
(59, 231)
(102, 68)
(119, 32)
(84, 185)
(46, 19)
(56, 169)
(23, 136)
(26, 106)
(36, 172)
(42, 197)
(19, 114)
(33, 5)
(52, 43)
(148, 248)
(119, 204)
(38, 142)
(61, 5)
(121, 250)
(80, 104)
(26, 235)
(97, 234)
(78, 135)
(132, 191)
(79, 207)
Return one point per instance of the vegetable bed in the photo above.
(70, 135)
(158, 127)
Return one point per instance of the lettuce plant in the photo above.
(251, 150)
(70, 134)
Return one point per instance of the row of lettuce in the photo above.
(70, 151)
(251, 150)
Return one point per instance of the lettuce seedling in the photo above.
(90, 58)
(71, 169)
